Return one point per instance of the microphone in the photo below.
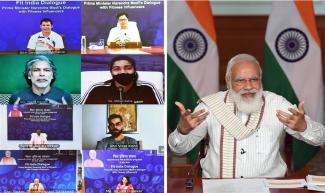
(242, 151)
(120, 89)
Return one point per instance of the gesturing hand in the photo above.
(188, 120)
(296, 120)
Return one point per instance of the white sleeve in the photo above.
(59, 42)
(314, 133)
(32, 138)
(44, 138)
(41, 187)
(136, 35)
(32, 42)
(181, 144)
(112, 35)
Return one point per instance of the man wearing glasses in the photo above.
(40, 74)
(117, 140)
(124, 87)
(124, 32)
(245, 126)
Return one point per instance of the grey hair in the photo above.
(239, 58)
(29, 65)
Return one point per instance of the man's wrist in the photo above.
(180, 131)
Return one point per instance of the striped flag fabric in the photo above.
(293, 66)
(192, 58)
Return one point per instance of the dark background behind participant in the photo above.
(97, 22)
(17, 26)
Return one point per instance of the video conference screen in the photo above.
(104, 170)
(54, 120)
(22, 19)
(55, 170)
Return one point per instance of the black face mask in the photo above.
(124, 78)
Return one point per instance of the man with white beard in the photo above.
(245, 126)
(40, 74)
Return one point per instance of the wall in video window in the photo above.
(99, 17)
(21, 19)
(12, 78)
(55, 171)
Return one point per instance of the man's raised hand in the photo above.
(188, 120)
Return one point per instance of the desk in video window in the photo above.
(143, 50)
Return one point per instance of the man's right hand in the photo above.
(189, 120)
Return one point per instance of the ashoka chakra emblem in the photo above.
(292, 45)
(190, 45)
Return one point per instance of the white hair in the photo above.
(239, 58)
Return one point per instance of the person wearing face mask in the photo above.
(245, 126)
(40, 74)
(124, 32)
(117, 140)
(124, 87)
(46, 40)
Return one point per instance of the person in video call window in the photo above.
(93, 161)
(40, 74)
(117, 140)
(125, 186)
(46, 40)
(125, 31)
(39, 139)
(8, 159)
(15, 112)
(124, 87)
(36, 187)
(245, 126)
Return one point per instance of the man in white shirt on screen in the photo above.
(39, 139)
(36, 187)
(124, 32)
(46, 41)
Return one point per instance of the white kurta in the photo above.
(38, 140)
(40, 43)
(131, 34)
(257, 155)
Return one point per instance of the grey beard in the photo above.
(247, 106)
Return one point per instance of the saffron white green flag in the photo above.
(293, 66)
(193, 61)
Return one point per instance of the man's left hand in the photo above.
(295, 120)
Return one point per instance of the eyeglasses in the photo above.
(115, 124)
(242, 81)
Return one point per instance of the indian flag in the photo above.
(293, 66)
(193, 61)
